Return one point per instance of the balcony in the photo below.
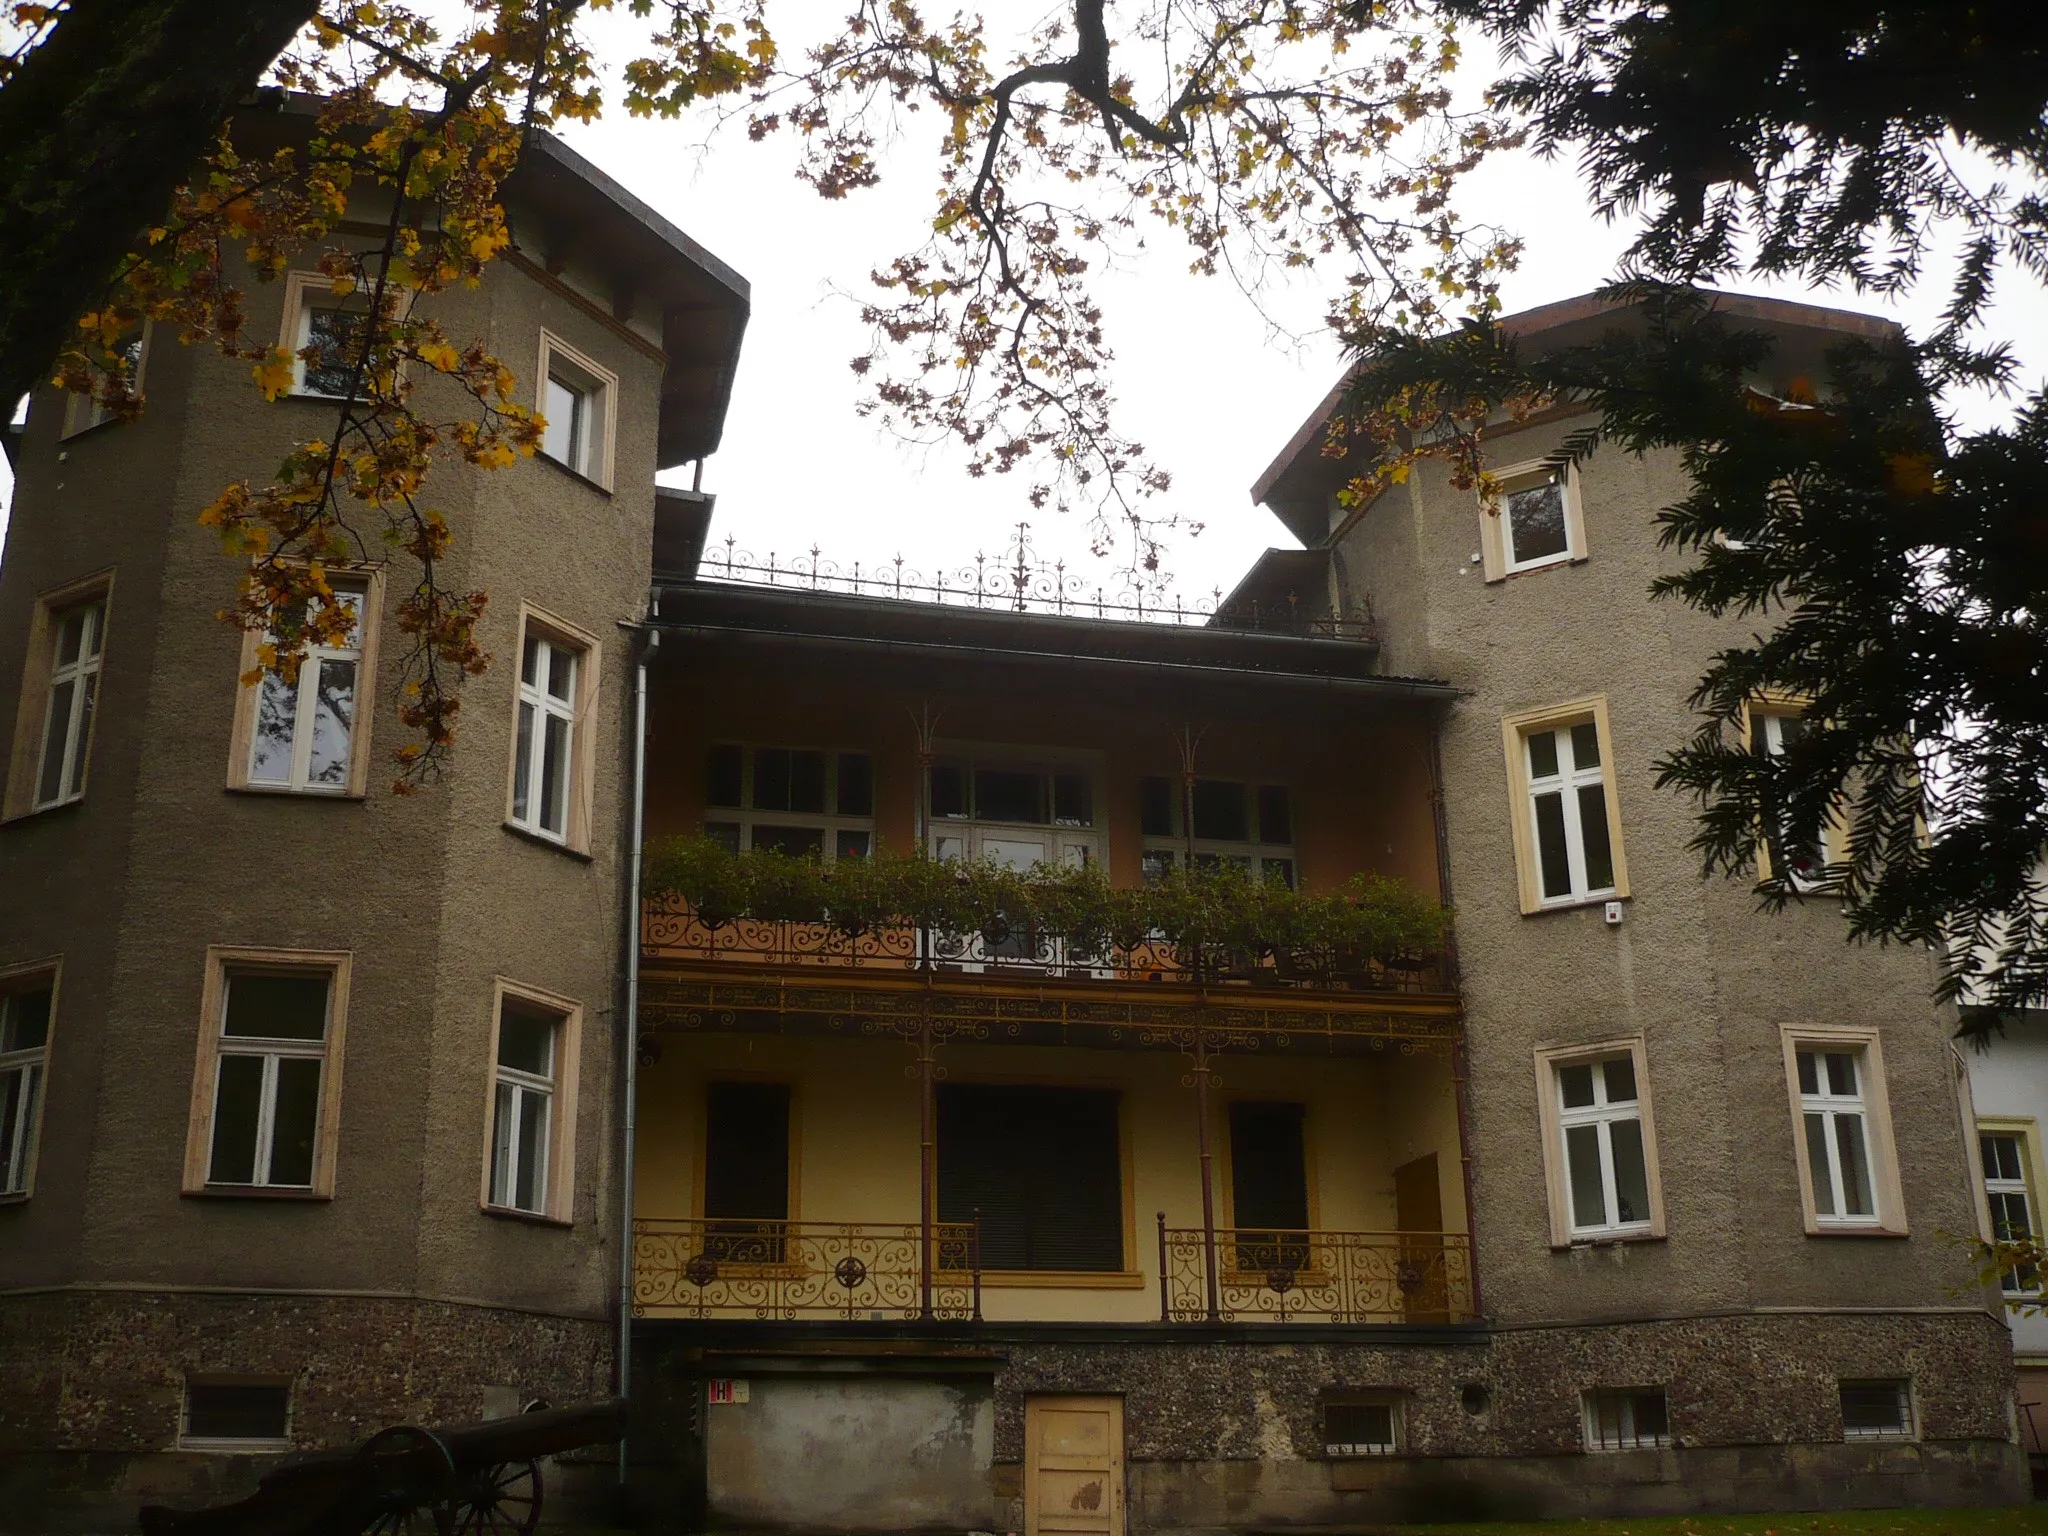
(789, 1271)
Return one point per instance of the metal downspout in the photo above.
(631, 1033)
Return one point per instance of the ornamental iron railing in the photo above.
(674, 929)
(1323, 1277)
(779, 1271)
(1021, 581)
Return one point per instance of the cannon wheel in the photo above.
(502, 1500)
(401, 1510)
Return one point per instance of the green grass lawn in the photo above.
(2021, 1520)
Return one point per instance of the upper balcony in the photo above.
(1123, 756)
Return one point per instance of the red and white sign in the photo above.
(725, 1391)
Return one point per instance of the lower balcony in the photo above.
(791, 1271)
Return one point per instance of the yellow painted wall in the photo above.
(854, 1133)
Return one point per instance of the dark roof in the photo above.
(1296, 485)
(572, 211)
(1189, 652)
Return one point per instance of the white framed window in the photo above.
(1014, 810)
(798, 800)
(302, 735)
(1808, 853)
(323, 331)
(1878, 1409)
(266, 1094)
(544, 747)
(1567, 822)
(1249, 825)
(2006, 1156)
(27, 1006)
(1626, 1419)
(1536, 520)
(78, 640)
(1606, 1171)
(235, 1414)
(1599, 1142)
(530, 1119)
(1848, 1172)
(577, 398)
(82, 412)
(1362, 1426)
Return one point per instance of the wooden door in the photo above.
(1073, 1466)
(1419, 1213)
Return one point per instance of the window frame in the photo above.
(369, 579)
(1880, 1146)
(240, 1444)
(1397, 1443)
(1631, 1438)
(559, 1206)
(82, 413)
(1258, 850)
(221, 959)
(580, 798)
(1907, 1432)
(293, 331)
(1777, 704)
(1496, 549)
(1550, 1113)
(1060, 837)
(1516, 728)
(25, 977)
(598, 383)
(828, 823)
(25, 764)
(2028, 1135)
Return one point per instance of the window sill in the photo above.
(1549, 564)
(223, 1446)
(574, 474)
(66, 439)
(1609, 1240)
(1061, 1279)
(528, 1218)
(1574, 904)
(1816, 1229)
(16, 1197)
(286, 792)
(256, 1192)
(542, 840)
(34, 811)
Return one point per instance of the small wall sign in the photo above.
(725, 1391)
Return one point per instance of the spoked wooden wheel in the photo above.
(411, 1477)
(502, 1500)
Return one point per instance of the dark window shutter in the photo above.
(746, 1151)
(1155, 807)
(1043, 1167)
(1268, 1168)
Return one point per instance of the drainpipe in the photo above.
(1460, 1075)
(631, 1075)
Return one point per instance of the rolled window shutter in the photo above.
(1268, 1168)
(746, 1151)
(1042, 1166)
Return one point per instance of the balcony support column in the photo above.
(926, 1172)
(1207, 1159)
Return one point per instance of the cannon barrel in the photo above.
(528, 1436)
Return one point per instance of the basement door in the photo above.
(1073, 1466)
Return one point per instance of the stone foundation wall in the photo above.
(94, 1382)
(1224, 1431)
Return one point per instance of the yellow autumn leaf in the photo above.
(276, 374)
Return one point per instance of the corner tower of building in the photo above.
(314, 1123)
(1717, 1153)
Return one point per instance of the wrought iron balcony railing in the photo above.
(673, 929)
(779, 1271)
(1240, 1275)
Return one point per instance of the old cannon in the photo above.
(463, 1480)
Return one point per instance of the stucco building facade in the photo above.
(326, 1109)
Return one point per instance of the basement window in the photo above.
(1877, 1410)
(236, 1415)
(1362, 1427)
(1627, 1419)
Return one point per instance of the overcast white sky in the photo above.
(1202, 380)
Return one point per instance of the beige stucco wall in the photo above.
(1694, 968)
(430, 893)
